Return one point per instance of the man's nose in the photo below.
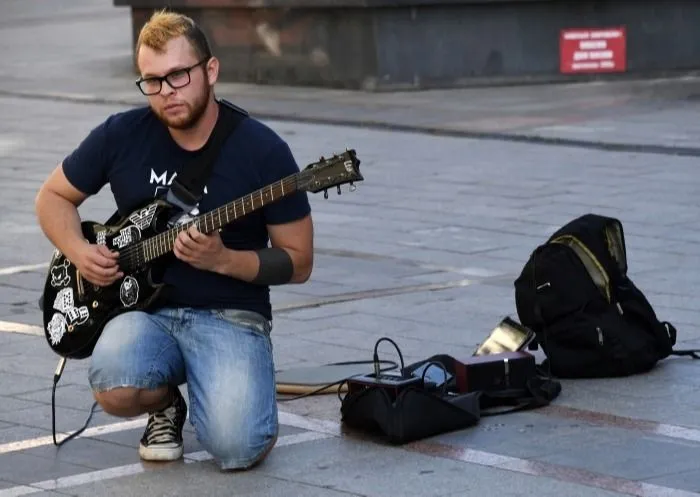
(165, 88)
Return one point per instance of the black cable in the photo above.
(57, 376)
(444, 371)
(376, 355)
(377, 371)
(392, 366)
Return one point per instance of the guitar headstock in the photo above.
(333, 171)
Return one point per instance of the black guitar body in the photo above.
(75, 310)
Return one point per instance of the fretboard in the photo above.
(163, 243)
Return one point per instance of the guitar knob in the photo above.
(94, 304)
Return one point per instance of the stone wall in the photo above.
(389, 44)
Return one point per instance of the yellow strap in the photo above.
(590, 262)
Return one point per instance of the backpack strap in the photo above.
(187, 187)
(596, 271)
(694, 353)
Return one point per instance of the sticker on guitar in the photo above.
(126, 236)
(59, 274)
(78, 315)
(129, 291)
(65, 303)
(56, 328)
(143, 218)
(64, 300)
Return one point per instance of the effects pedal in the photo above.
(392, 383)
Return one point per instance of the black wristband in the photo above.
(276, 267)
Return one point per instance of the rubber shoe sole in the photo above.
(164, 452)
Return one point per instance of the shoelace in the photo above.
(162, 426)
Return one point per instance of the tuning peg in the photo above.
(325, 194)
(339, 192)
(352, 187)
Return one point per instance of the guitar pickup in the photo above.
(79, 284)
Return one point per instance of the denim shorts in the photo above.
(224, 356)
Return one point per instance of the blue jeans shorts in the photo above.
(224, 356)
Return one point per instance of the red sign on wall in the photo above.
(593, 50)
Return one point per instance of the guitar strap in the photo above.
(187, 188)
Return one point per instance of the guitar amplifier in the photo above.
(492, 372)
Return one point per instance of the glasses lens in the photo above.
(150, 86)
(178, 79)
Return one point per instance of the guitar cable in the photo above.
(56, 377)
(375, 362)
(391, 365)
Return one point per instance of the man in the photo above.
(212, 330)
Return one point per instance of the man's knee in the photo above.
(129, 401)
(242, 456)
(119, 401)
(237, 448)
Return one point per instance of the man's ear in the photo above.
(213, 70)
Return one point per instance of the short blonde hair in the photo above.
(164, 26)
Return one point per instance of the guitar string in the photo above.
(134, 253)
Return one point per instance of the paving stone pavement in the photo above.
(425, 251)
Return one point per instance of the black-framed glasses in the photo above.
(176, 79)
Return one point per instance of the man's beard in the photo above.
(192, 117)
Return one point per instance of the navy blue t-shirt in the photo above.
(134, 153)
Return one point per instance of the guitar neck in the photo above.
(208, 222)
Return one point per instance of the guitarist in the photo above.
(213, 330)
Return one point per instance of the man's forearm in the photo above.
(60, 222)
(240, 264)
(272, 266)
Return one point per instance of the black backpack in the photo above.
(587, 315)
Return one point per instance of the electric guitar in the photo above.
(76, 311)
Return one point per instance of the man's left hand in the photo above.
(200, 250)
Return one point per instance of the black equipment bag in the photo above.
(413, 414)
(587, 315)
(429, 408)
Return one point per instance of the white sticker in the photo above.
(129, 291)
(78, 315)
(59, 274)
(56, 328)
(142, 219)
(126, 236)
(64, 300)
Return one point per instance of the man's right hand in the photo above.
(98, 264)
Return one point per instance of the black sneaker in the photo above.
(162, 440)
